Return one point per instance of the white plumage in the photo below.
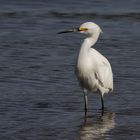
(93, 70)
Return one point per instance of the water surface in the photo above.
(39, 95)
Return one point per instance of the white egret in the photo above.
(93, 70)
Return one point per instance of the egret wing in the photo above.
(103, 71)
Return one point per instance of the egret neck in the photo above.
(89, 42)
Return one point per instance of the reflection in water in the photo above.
(95, 127)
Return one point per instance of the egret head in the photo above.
(89, 28)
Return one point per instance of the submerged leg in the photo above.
(102, 102)
(86, 102)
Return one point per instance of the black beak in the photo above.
(69, 31)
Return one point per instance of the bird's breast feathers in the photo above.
(94, 72)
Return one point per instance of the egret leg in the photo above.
(102, 102)
(86, 102)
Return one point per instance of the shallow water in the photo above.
(39, 95)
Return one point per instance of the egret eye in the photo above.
(83, 29)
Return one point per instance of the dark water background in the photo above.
(40, 98)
